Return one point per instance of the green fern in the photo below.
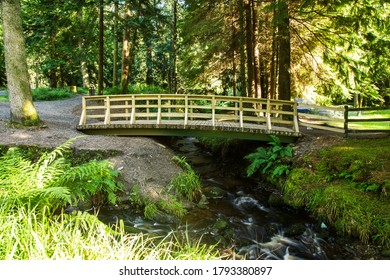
(271, 161)
(52, 180)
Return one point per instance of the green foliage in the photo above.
(52, 181)
(270, 161)
(346, 186)
(351, 161)
(47, 94)
(166, 203)
(27, 234)
(187, 184)
(150, 211)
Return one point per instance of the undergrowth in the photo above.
(52, 181)
(184, 187)
(34, 226)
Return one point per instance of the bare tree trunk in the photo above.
(242, 49)
(284, 51)
(149, 62)
(249, 50)
(256, 55)
(101, 47)
(19, 90)
(174, 50)
(83, 63)
(274, 59)
(116, 46)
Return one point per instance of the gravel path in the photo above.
(145, 161)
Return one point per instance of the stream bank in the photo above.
(342, 183)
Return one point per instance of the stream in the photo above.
(237, 216)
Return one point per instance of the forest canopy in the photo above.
(327, 52)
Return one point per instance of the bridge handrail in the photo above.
(184, 107)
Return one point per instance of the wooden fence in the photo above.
(344, 119)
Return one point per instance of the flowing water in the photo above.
(238, 216)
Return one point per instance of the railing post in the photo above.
(346, 121)
(296, 120)
(185, 110)
(83, 118)
(213, 110)
(107, 117)
(132, 118)
(241, 113)
(269, 126)
(159, 109)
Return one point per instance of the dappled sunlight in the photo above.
(21, 135)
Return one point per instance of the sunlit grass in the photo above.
(31, 235)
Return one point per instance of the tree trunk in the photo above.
(149, 62)
(256, 55)
(83, 63)
(19, 90)
(101, 47)
(116, 46)
(274, 61)
(249, 50)
(174, 50)
(284, 51)
(242, 49)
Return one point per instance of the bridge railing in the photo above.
(157, 108)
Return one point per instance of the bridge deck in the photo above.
(179, 115)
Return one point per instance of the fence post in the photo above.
(346, 121)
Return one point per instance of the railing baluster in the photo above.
(158, 109)
(241, 114)
(132, 118)
(213, 111)
(83, 118)
(296, 121)
(269, 126)
(107, 117)
(185, 110)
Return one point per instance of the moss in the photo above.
(347, 186)
(301, 187)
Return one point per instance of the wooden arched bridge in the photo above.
(189, 115)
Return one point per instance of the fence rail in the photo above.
(344, 119)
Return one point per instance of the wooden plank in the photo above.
(369, 120)
(334, 129)
(340, 109)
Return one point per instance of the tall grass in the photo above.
(36, 235)
(34, 226)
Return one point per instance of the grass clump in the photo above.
(187, 184)
(184, 187)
